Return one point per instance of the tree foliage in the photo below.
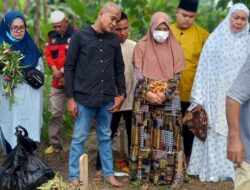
(83, 12)
(222, 4)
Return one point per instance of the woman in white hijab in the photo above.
(223, 55)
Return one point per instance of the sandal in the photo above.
(125, 169)
(49, 150)
(121, 163)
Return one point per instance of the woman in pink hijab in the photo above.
(157, 150)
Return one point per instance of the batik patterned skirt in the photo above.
(156, 153)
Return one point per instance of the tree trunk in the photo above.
(26, 7)
(37, 22)
(14, 5)
(5, 5)
(45, 10)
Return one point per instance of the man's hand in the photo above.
(153, 98)
(117, 105)
(72, 107)
(56, 74)
(235, 149)
(61, 82)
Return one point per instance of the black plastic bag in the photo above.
(23, 170)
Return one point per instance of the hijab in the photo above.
(26, 45)
(234, 8)
(158, 61)
(223, 55)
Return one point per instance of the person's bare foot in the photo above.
(98, 174)
(75, 182)
(114, 182)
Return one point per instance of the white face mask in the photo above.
(160, 36)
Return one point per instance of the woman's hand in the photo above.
(162, 97)
(153, 98)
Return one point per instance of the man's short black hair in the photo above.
(123, 16)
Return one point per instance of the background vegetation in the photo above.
(83, 12)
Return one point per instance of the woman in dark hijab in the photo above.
(27, 107)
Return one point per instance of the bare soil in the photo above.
(59, 162)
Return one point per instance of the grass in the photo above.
(67, 130)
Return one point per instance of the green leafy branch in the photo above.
(11, 71)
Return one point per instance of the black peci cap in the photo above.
(189, 5)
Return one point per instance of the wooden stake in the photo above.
(122, 144)
(84, 171)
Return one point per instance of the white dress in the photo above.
(25, 111)
(223, 55)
